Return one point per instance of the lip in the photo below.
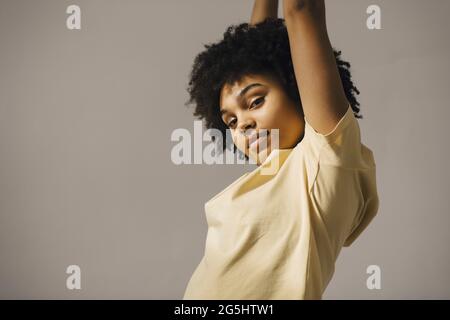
(253, 137)
(255, 134)
(257, 143)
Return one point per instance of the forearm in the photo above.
(307, 10)
(263, 9)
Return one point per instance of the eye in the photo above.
(230, 124)
(256, 102)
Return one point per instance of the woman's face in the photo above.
(257, 104)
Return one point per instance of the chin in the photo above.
(261, 156)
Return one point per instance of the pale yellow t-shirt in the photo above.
(278, 236)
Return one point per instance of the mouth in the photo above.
(257, 140)
(255, 143)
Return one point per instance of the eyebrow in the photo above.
(241, 94)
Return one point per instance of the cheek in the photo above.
(239, 141)
(274, 117)
(276, 108)
(266, 116)
(286, 120)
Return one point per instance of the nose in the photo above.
(245, 126)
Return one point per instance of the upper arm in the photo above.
(322, 94)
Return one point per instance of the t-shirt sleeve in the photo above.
(330, 137)
(342, 177)
(341, 147)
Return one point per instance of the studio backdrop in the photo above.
(91, 93)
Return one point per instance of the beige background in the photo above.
(85, 123)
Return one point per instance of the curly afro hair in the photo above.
(248, 50)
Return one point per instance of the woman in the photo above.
(278, 236)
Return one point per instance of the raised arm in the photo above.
(321, 91)
(263, 9)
